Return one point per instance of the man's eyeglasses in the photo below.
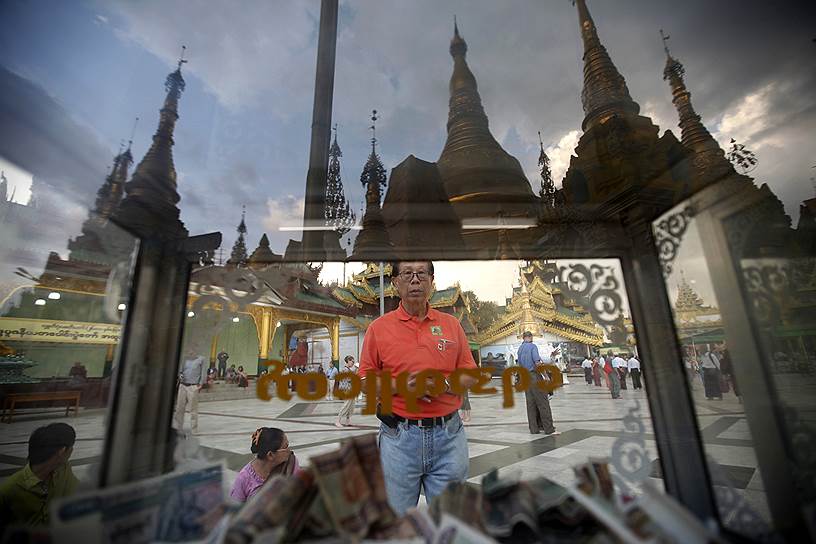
(407, 275)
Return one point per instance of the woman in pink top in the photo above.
(271, 446)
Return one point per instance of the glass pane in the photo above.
(65, 279)
(527, 149)
(710, 369)
(311, 317)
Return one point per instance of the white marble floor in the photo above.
(590, 422)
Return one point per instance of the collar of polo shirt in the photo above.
(405, 316)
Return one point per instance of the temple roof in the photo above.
(263, 254)
(364, 289)
(417, 211)
(533, 307)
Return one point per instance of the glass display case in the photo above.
(176, 283)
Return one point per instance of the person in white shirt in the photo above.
(586, 364)
(191, 379)
(634, 370)
(344, 417)
(619, 364)
(331, 375)
(711, 375)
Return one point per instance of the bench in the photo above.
(13, 399)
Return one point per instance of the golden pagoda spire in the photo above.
(153, 185)
(694, 135)
(605, 93)
(373, 242)
(687, 297)
(473, 166)
(467, 121)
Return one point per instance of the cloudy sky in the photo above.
(75, 75)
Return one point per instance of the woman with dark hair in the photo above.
(243, 379)
(273, 456)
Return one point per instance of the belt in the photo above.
(188, 384)
(426, 421)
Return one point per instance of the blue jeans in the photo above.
(430, 457)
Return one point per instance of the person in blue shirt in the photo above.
(539, 414)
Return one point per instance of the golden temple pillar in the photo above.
(110, 352)
(334, 334)
(266, 334)
(213, 349)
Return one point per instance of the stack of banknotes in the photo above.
(341, 498)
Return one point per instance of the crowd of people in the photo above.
(714, 370)
(612, 371)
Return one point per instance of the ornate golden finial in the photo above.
(540, 141)
(458, 47)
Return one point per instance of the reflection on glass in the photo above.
(312, 318)
(62, 310)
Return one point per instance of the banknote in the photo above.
(461, 500)
(174, 507)
(279, 501)
(454, 531)
(345, 488)
(424, 525)
(368, 453)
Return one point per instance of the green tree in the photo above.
(484, 312)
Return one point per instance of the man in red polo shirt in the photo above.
(426, 449)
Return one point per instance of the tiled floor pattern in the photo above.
(590, 422)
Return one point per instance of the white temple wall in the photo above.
(509, 346)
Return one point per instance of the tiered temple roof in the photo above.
(539, 305)
(363, 293)
(263, 254)
(689, 308)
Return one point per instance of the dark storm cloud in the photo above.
(748, 62)
(39, 135)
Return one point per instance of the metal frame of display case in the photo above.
(712, 208)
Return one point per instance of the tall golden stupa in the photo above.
(481, 179)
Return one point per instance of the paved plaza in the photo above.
(590, 423)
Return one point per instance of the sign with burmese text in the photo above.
(67, 332)
(380, 386)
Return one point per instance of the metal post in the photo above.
(382, 289)
(685, 472)
(762, 405)
(139, 437)
(313, 249)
